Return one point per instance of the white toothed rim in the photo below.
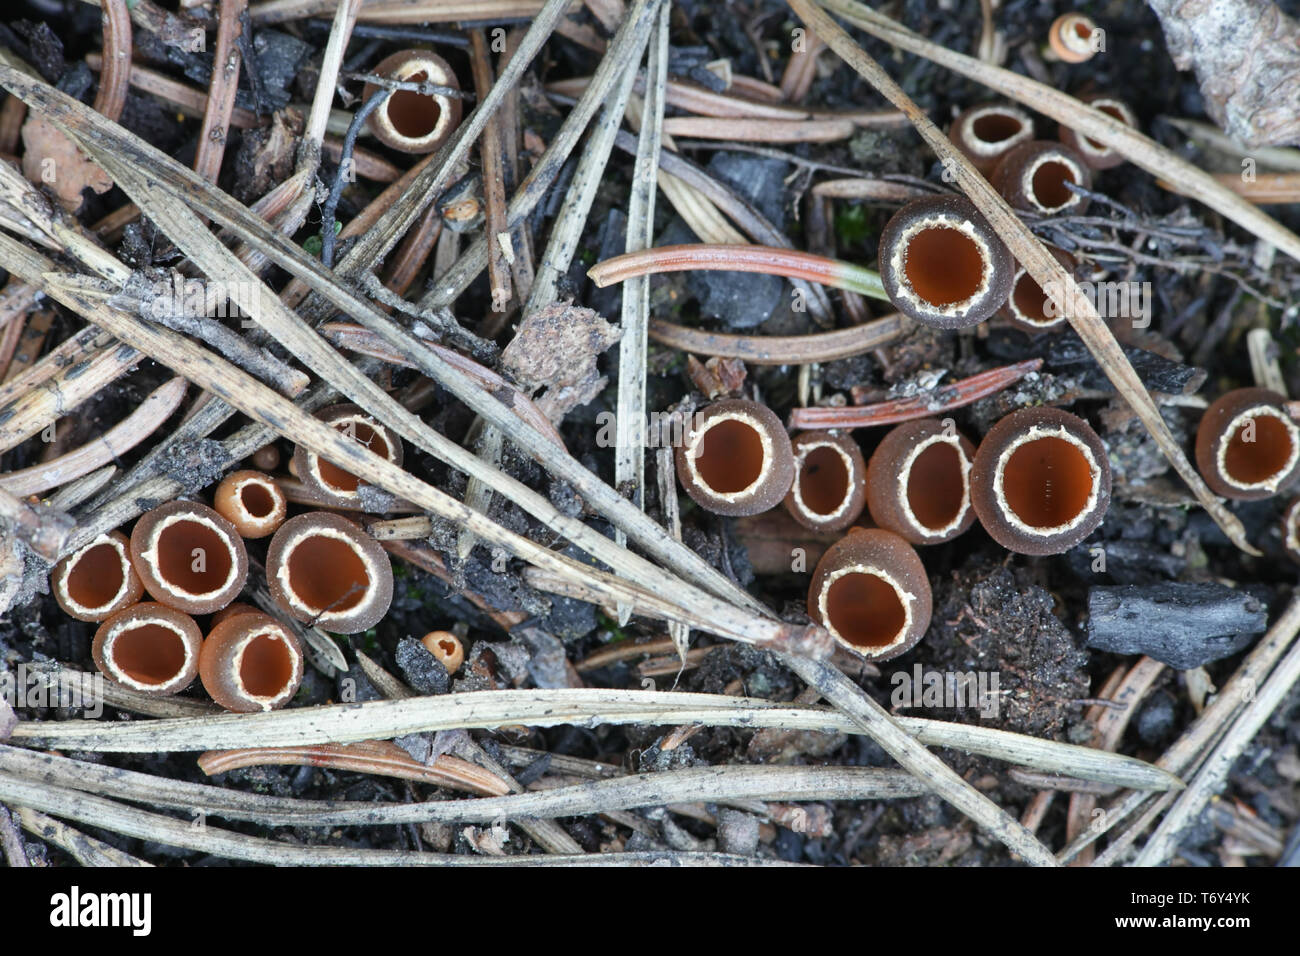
(983, 147)
(1027, 179)
(234, 668)
(61, 584)
(319, 616)
(697, 440)
(898, 262)
(1015, 309)
(815, 516)
(1085, 146)
(905, 597)
(1272, 482)
(905, 472)
(150, 555)
(267, 521)
(341, 425)
(1068, 33)
(118, 628)
(434, 73)
(1034, 433)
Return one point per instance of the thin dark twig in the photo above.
(336, 189)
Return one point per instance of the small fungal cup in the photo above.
(736, 458)
(1040, 482)
(918, 482)
(829, 487)
(942, 264)
(871, 594)
(1247, 446)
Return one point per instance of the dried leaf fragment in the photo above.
(50, 157)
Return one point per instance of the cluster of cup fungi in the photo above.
(322, 569)
(1038, 482)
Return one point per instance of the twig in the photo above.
(85, 849)
(345, 723)
(736, 258)
(226, 62)
(1214, 771)
(940, 399)
(114, 443)
(365, 756)
(110, 98)
(129, 821)
(876, 722)
(630, 409)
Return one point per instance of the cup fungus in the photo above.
(252, 501)
(942, 264)
(1247, 446)
(1028, 307)
(828, 491)
(1040, 482)
(97, 580)
(250, 662)
(324, 570)
(1071, 38)
(985, 133)
(189, 557)
(736, 458)
(870, 592)
(1096, 155)
(340, 487)
(447, 647)
(1034, 177)
(410, 121)
(150, 648)
(918, 482)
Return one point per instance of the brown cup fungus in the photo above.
(986, 133)
(1095, 154)
(1247, 446)
(408, 120)
(942, 264)
(870, 592)
(324, 570)
(1029, 308)
(1040, 482)
(337, 486)
(829, 487)
(251, 662)
(1071, 38)
(252, 502)
(189, 557)
(918, 482)
(150, 648)
(1035, 177)
(736, 458)
(447, 647)
(97, 580)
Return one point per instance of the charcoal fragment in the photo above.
(1182, 624)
